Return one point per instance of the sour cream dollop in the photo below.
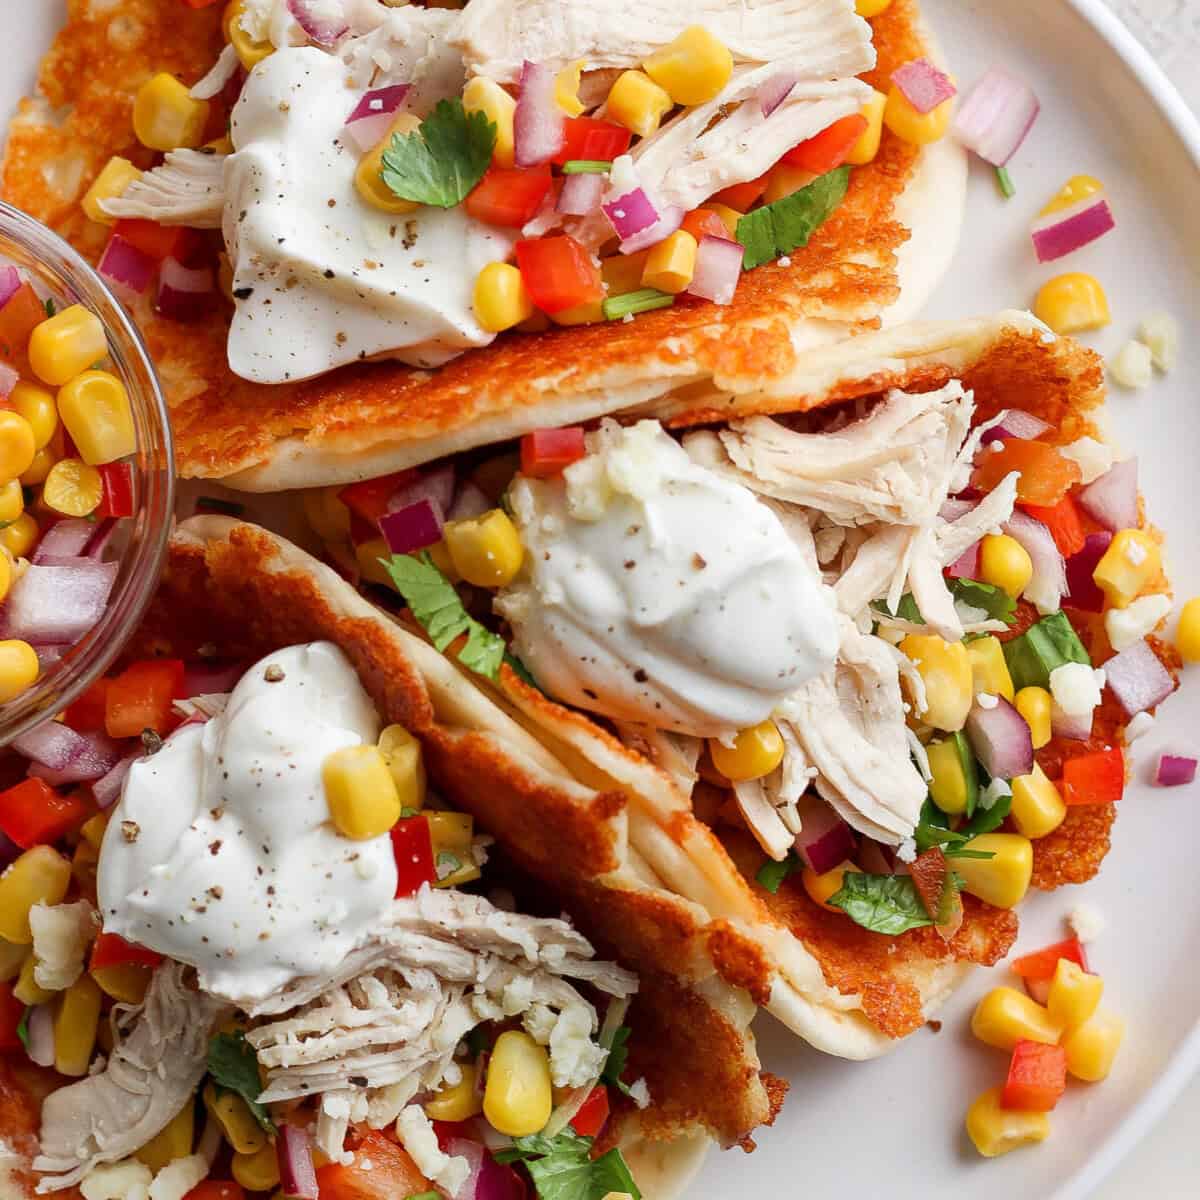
(221, 852)
(656, 591)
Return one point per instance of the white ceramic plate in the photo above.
(895, 1126)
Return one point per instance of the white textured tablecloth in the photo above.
(1171, 30)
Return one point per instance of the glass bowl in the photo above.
(55, 269)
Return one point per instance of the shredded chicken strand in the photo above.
(187, 189)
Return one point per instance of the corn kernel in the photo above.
(946, 672)
(257, 1172)
(1037, 807)
(73, 488)
(42, 465)
(949, 786)
(173, 1141)
(442, 560)
(730, 216)
(95, 409)
(1187, 634)
(909, 125)
(19, 668)
(249, 51)
(117, 175)
(755, 752)
(638, 103)
(1002, 880)
(995, 1130)
(589, 313)
(1072, 303)
(237, 1122)
(221, 145)
(693, 69)
(6, 575)
(17, 445)
(368, 179)
(451, 834)
(65, 344)
(1005, 563)
(12, 501)
(166, 117)
(1077, 188)
(92, 830)
(517, 1098)
(671, 264)
(486, 550)
(126, 982)
(566, 88)
(488, 97)
(75, 1025)
(1074, 995)
(1092, 1048)
(37, 406)
(367, 554)
(84, 863)
(1006, 1016)
(402, 753)
(27, 989)
(871, 8)
(989, 671)
(326, 514)
(40, 876)
(821, 887)
(867, 147)
(459, 1102)
(501, 299)
(361, 793)
(784, 180)
(1131, 563)
(623, 272)
(1036, 705)
(20, 536)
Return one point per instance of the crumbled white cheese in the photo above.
(1160, 332)
(639, 1093)
(1087, 922)
(1127, 626)
(178, 1177)
(906, 852)
(1093, 458)
(574, 1057)
(1075, 688)
(61, 935)
(1141, 723)
(995, 789)
(785, 260)
(1132, 366)
(416, 1134)
(125, 1180)
(986, 700)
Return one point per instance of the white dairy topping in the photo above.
(658, 592)
(221, 852)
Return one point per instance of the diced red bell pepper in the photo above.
(447, 1131)
(112, 950)
(86, 714)
(740, 196)
(201, 4)
(33, 814)
(829, 148)
(116, 490)
(935, 885)
(1041, 964)
(1037, 1077)
(1046, 476)
(593, 1114)
(545, 452)
(140, 697)
(1096, 778)
(11, 1012)
(591, 139)
(154, 240)
(20, 315)
(702, 222)
(558, 273)
(1064, 522)
(217, 1189)
(412, 845)
(508, 196)
(369, 499)
(380, 1170)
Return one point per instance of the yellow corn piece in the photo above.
(867, 147)
(367, 554)
(1131, 563)
(730, 216)
(361, 793)
(1036, 705)
(1074, 995)
(37, 406)
(43, 462)
(623, 272)
(995, 1130)
(1003, 879)
(821, 887)
(501, 299)
(17, 445)
(442, 560)
(6, 575)
(1006, 1016)
(672, 263)
(1092, 1048)
(989, 671)
(451, 834)
(237, 1122)
(1072, 303)
(12, 958)
(459, 1102)
(73, 488)
(589, 313)
(75, 1025)
(488, 97)
(638, 103)
(27, 989)
(486, 550)
(40, 876)
(1005, 563)
(784, 180)
(1077, 188)
(755, 752)
(257, 1172)
(249, 51)
(328, 516)
(20, 536)
(517, 1098)
(117, 175)
(916, 128)
(126, 982)
(84, 863)
(12, 501)
(65, 344)
(946, 671)
(368, 180)
(948, 787)
(871, 8)
(693, 69)
(166, 117)
(1037, 807)
(1187, 635)
(93, 829)
(566, 88)
(173, 1141)
(402, 753)
(95, 409)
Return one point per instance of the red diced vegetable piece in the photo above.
(931, 877)
(412, 845)
(201, 4)
(545, 452)
(140, 697)
(11, 1012)
(20, 314)
(380, 1170)
(33, 814)
(152, 239)
(1041, 964)
(702, 222)
(1063, 521)
(86, 714)
(593, 1113)
(1037, 1077)
(112, 950)
(509, 196)
(740, 196)
(1046, 476)
(369, 499)
(590, 139)
(216, 1189)
(116, 496)
(829, 148)
(1096, 778)
(1175, 770)
(558, 273)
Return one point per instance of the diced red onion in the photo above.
(497, 1182)
(923, 85)
(996, 116)
(580, 195)
(776, 90)
(1059, 233)
(124, 265)
(1174, 770)
(185, 293)
(471, 501)
(210, 678)
(1113, 498)
(630, 213)
(1138, 679)
(482, 1130)
(297, 1174)
(103, 533)
(718, 269)
(9, 378)
(41, 1035)
(58, 604)
(1085, 593)
(107, 789)
(668, 221)
(413, 528)
(52, 744)
(10, 284)
(49, 656)
(372, 117)
(966, 566)
(874, 858)
(64, 539)
(321, 29)
(1049, 571)
(1000, 739)
(1075, 727)
(1015, 423)
(824, 839)
(474, 1153)
(436, 485)
(96, 757)
(538, 129)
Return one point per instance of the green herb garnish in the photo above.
(906, 610)
(772, 873)
(443, 160)
(50, 307)
(214, 504)
(618, 1056)
(1004, 183)
(23, 1026)
(934, 829)
(1043, 647)
(786, 225)
(586, 166)
(994, 601)
(643, 300)
(234, 1067)
(562, 1167)
(424, 1196)
(887, 904)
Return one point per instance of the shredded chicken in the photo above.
(675, 754)
(187, 189)
(222, 71)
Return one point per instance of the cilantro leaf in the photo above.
(50, 307)
(437, 608)
(234, 1068)
(772, 873)
(786, 225)
(998, 604)
(987, 819)
(887, 904)
(906, 610)
(618, 1056)
(441, 162)
(561, 1167)
(933, 829)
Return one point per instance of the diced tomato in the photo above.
(508, 196)
(1096, 778)
(1037, 1077)
(18, 318)
(558, 273)
(202, 4)
(369, 499)
(112, 950)
(86, 714)
(701, 222)
(741, 195)
(1046, 476)
(1064, 522)
(592, 140)
(412, 845)
(1041, 964)
(829, 148)
(381, 1170)
(448, 1131)
(34, 814)
(140, 697)
(154, 240)
(931, 877)
(545, 452)
(216, 1189)
(590, 1119)
(11, 1012)
(116, 495)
